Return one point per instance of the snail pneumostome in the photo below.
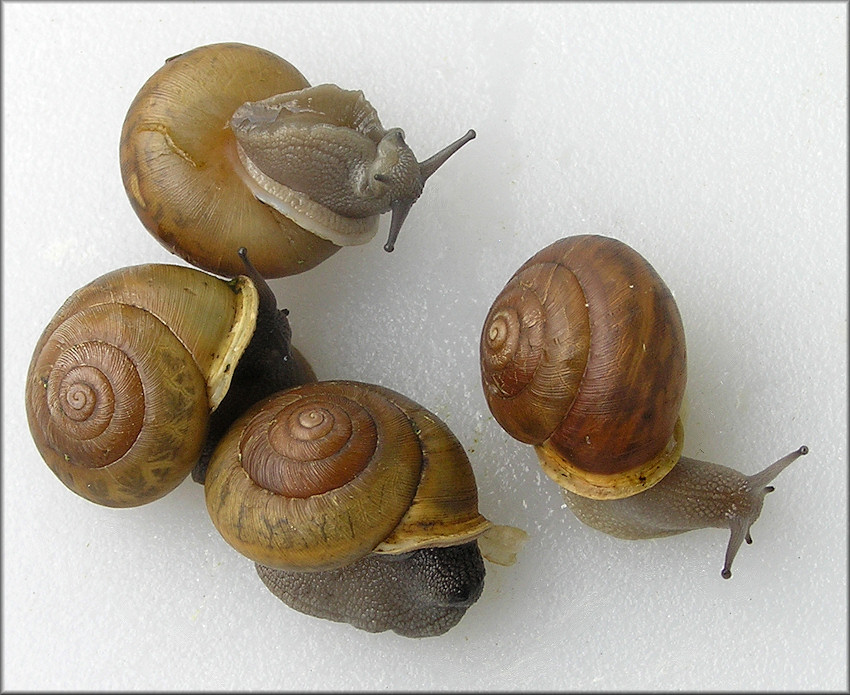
(583, 356)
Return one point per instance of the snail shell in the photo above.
(228, 145)
(124, 377)
(321, 475)
(583, 356)
(177, 163)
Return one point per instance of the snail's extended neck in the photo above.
(694, 494)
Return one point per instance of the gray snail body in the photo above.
(321, 157)
(423, 593)
(693, 495)
(228, 145)
(583, 356)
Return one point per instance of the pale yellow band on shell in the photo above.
(606, 487)
(497, 543)
(416, 538)
(233, 347)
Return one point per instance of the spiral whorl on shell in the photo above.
(583, 355)
(320, 475)
(124, 376)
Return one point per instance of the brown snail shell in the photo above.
(357, 505)
(321, 475)
(228, 145)
(583, 355)
(177, 155)
(124, 378)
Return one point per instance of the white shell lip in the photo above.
(244, 324)
(417, 539)
(306, 213)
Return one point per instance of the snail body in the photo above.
(228, 145)
(423, 593)
(694, 494)
(318, 478)
(124, 377)
(583, 356)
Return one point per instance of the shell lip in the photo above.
(405, 541)
(497, 543)
(224, 363)
(611, 486)
(328, 104)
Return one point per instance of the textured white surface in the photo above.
(712, 138)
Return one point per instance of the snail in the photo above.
(357, 505)
(124, 378)
(582, 355)
(228, 145)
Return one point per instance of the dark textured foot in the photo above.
(423, 593)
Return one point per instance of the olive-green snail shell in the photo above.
(320, 475)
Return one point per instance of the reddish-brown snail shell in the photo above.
(124, 377)
(588, 365)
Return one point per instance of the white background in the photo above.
(712, 138)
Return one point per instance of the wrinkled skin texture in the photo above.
(423, 593)
(695, 494)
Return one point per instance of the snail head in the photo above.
(396, 167)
